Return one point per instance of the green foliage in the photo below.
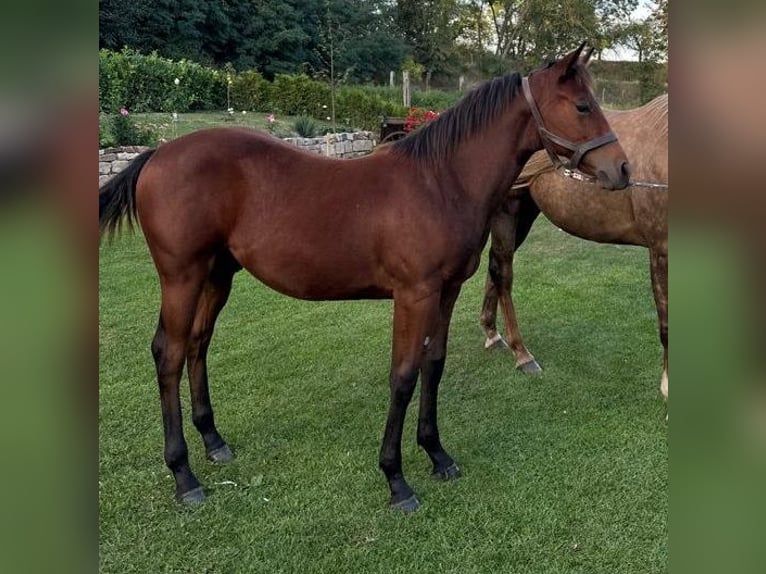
(363, 108)
(146, 83)
(306, 127)
(298, 95)
(416, 70)
(249, 91)
(437, 100)
(651, 81)
(275, 37)
(121, 130)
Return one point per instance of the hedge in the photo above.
(146, 83)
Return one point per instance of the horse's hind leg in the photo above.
(180, 294)
(430, 377)
(214, 295)
(499, 285)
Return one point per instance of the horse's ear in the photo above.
(585, 58)
(568, 64)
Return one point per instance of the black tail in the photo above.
(117, 197)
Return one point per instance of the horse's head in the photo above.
(571, 123)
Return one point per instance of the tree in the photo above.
(528, 30)
(430, 28)
(611, 16)
(647, 37)
(363, 39)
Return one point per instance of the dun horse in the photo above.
(637, 215)
(408, 223)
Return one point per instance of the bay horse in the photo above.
(636, 215)
(408, 223)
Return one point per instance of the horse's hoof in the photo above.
(530, 368)
(221, 455)
(496, 342)
(447, 473)
(407, 505)
(193, 496)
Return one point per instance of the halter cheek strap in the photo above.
(548, 138)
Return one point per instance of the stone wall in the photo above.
(344, 145)
(112, 160)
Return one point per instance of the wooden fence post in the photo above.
(406, 88)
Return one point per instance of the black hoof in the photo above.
(221, 455)
(193, 496)
(498, 343)
(530, 368)
(407, 505)
(447, 473)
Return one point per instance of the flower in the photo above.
(231, 111)
(176, 81)
(324, 107)
(124, 112)
(270, 118)
(328, 118)
(417, 117)
(244, 112)
(175, 116)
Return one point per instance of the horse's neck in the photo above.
(489, 162)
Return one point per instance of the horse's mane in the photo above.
(654, 117)
(437, 139)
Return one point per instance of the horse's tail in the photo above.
(117, 197)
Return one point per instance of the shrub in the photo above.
(295, 95)
(363, 108)
(249, 91)
(435, 99)
(146, 83)
(306, 127)
(121, 130)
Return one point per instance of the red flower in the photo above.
(417, 117)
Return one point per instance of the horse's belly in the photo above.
(318, 276)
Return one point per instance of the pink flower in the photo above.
(270, 118)
(123, 112)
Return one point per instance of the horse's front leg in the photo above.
(658, 259)
(415, 317)
(430, 377)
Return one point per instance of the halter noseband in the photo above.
(579, 150)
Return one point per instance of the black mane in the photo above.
(437, 140)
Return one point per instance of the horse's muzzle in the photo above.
(618, 178)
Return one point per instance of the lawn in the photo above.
(565, 472)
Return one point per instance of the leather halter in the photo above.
(570, 168)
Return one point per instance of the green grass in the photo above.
(566, 472)
(162, 123)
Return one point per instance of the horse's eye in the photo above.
(583, 108)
